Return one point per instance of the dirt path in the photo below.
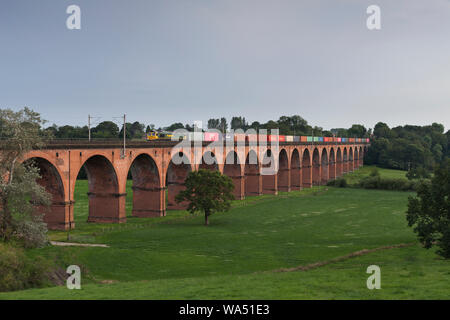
(73, 244)
(342, 258)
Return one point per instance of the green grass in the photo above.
(356, 176)
(176, 257)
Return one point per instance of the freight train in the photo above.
(215, 136)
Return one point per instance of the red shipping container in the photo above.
(339, 139)
(326, 139)
(282, 138)
(303, 138)
(272, 137)
(211, 136)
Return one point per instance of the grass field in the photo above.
(239, 255)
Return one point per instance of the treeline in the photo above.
(414, 148)
(287, 125)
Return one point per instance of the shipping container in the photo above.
(211, 136)
(338, 139)
(367, 140)
(320, 139)
(272, 137)
(351, 140)
(303, 138)
(327, 139)
(282, 138)
(344, 140)
(309, 138)
(289, 138)
(316, 139)
(296, 139)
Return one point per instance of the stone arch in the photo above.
(339, 164)
(356, 159)
(316, 180)
(295, 170)
(350, 159)
(306, 169)
(332, 165)
(252, 174)
(361, 157)
(58, 215)
(345, 161)
(269, 179)
(209, 161)
(232, 168)
(283, 174)
(324, 167)
(177, 172)
(106, 204)
(148, 195)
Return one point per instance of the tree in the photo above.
(106, 129)
(208, 191)
(429, 212)
(20, 194)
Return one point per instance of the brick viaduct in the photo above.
(153, 171)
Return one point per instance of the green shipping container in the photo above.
(316, 139)
(309, 139)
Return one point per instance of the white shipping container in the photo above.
(289, 138)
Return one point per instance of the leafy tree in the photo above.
(223, 125)
(106, 129)
(20, 194)
(239, 123)
(429, 212)
(213, 123)
(208, 191)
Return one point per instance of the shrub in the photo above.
(374, 172)
(376, 182)
(339, 182)
(18, 272)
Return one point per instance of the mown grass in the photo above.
(176, 257)
(356, 176)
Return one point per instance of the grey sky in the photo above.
(183, 60)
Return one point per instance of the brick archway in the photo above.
(269, 181)
(232, 168)
(209, 161)
(252, 175)
(324, 167)
(345, 161)
(284, 172)
(106, 204)
(177, 172)
(339, 163)
(350, 160)
(332, 166)
(306, 169)
(316, 180)
(295, 170)
(51, 180)
(148, 200)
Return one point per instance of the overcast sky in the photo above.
(165, 61)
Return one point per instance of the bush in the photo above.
(374, 172)
(376, 182)
(18, 272)
(339, 182)
(31, 231)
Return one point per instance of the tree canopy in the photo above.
(429, 212)
(207, 191)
